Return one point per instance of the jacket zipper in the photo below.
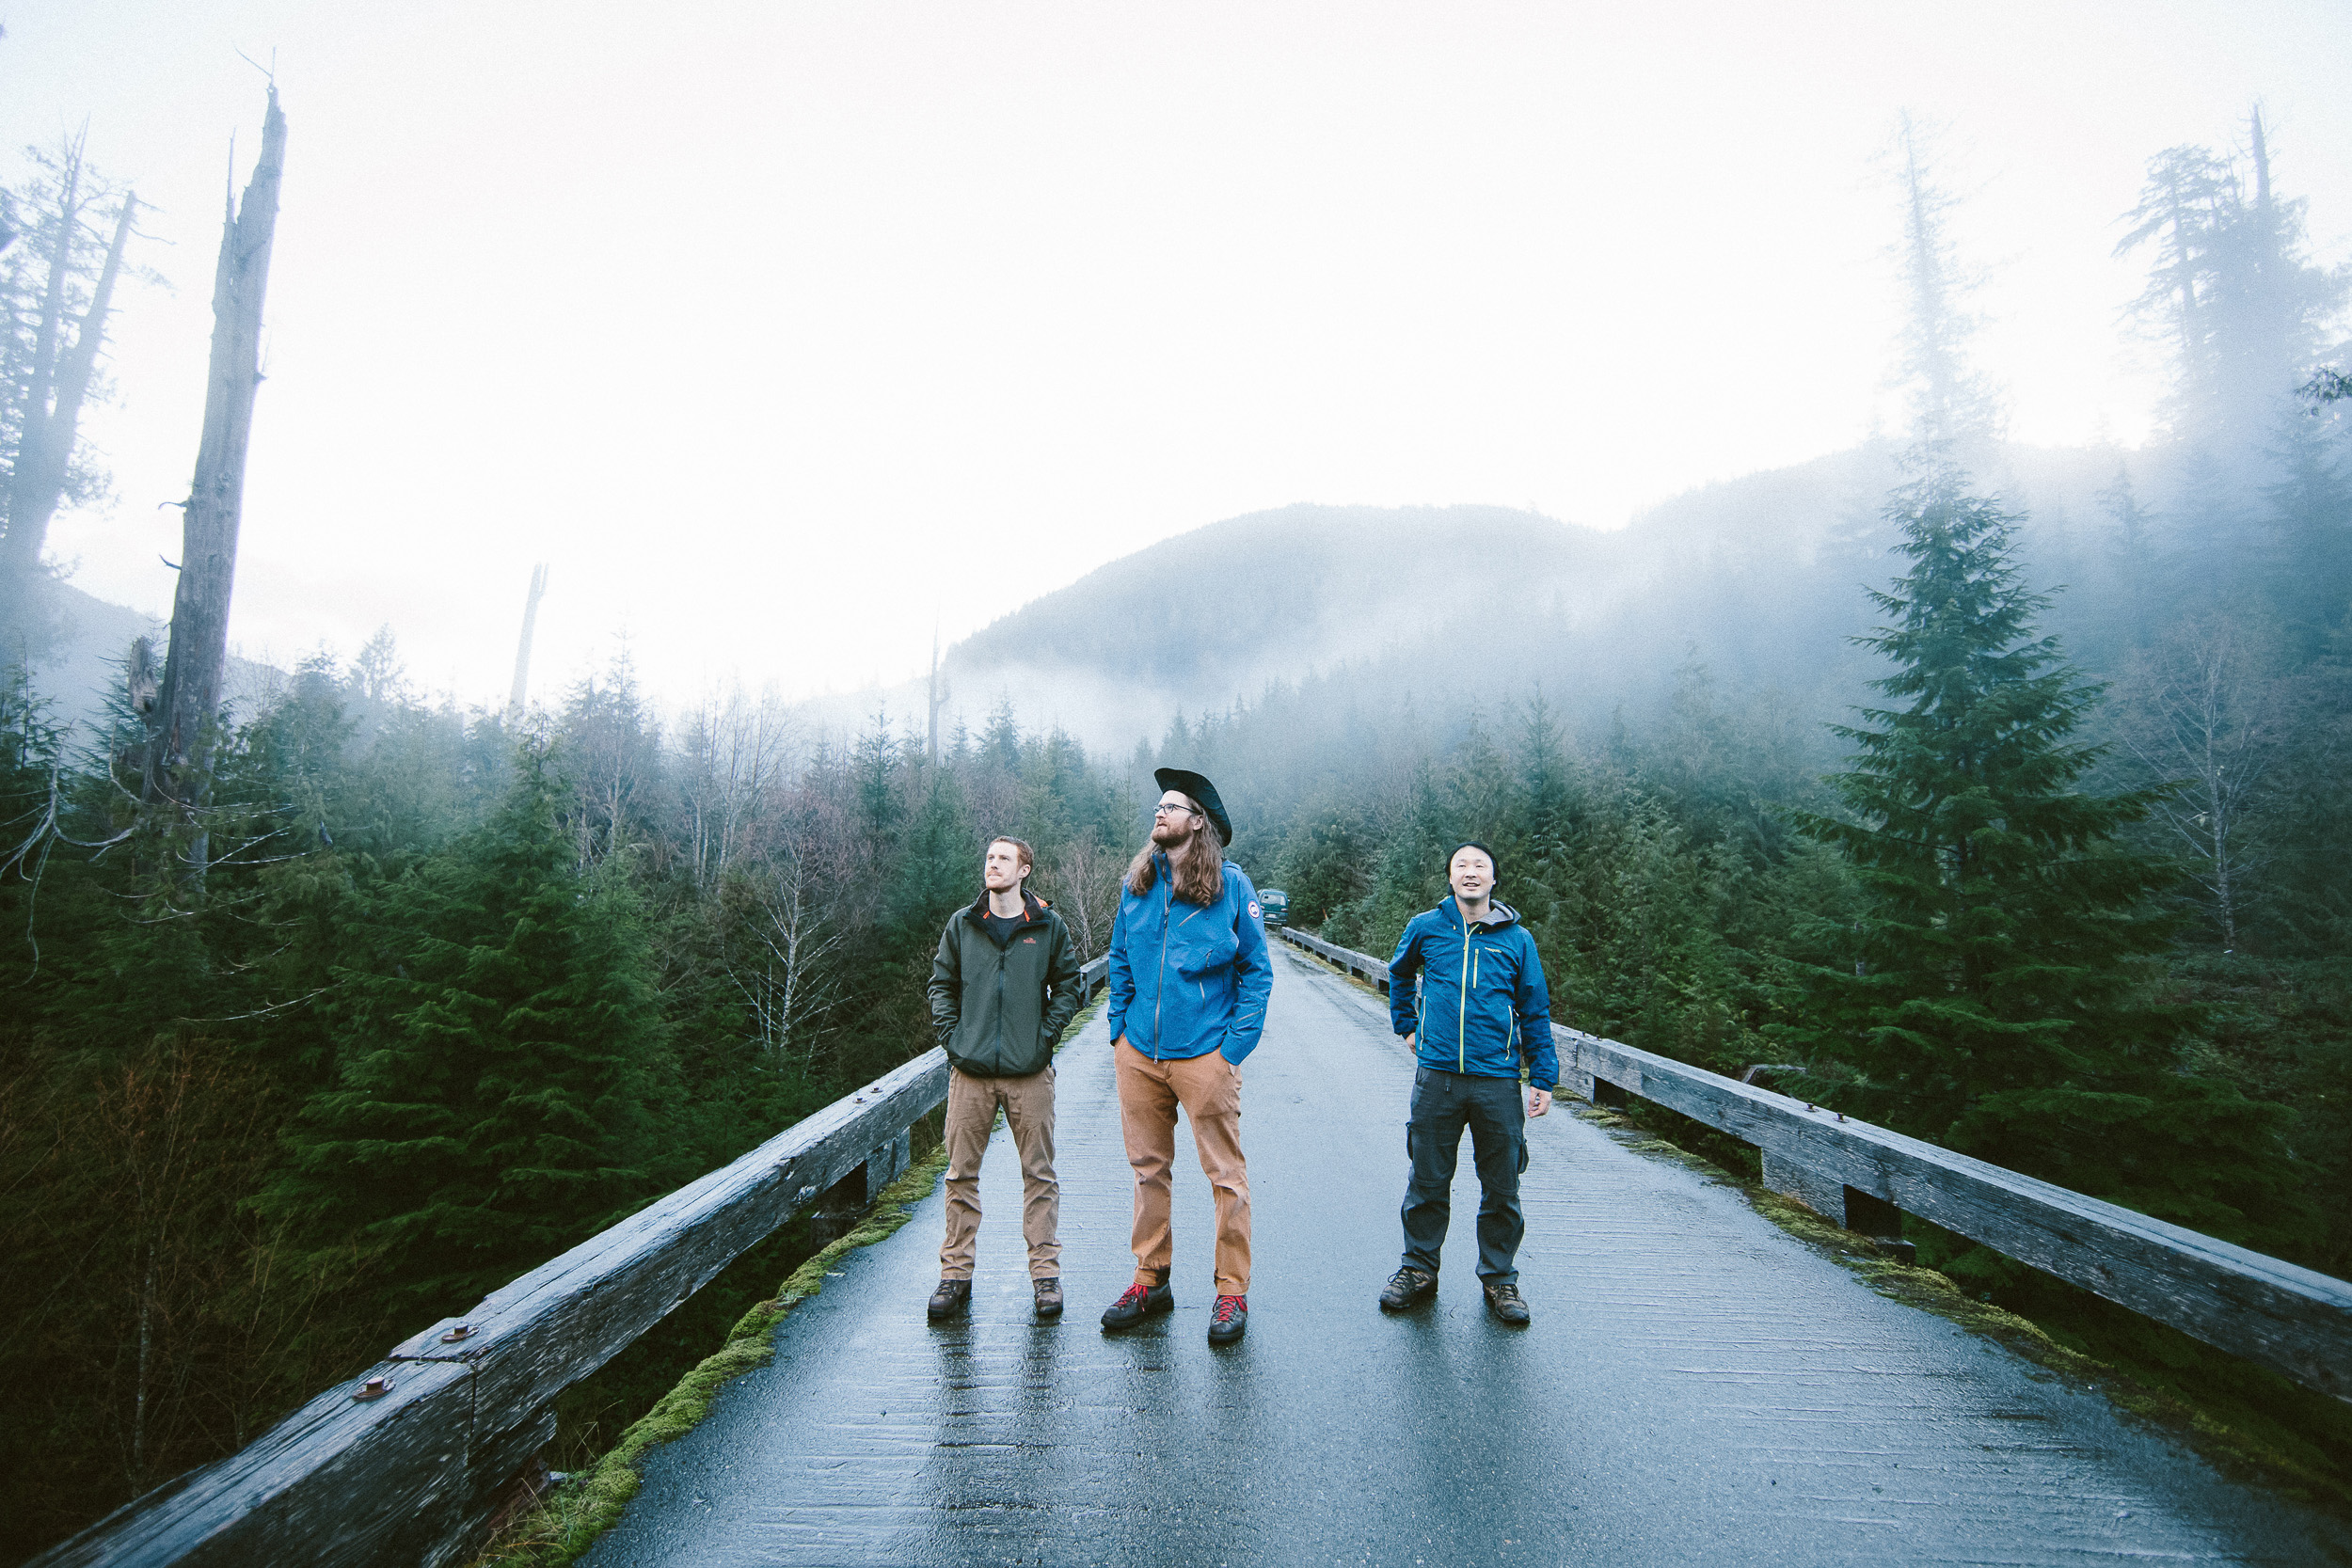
(1159, 978)
(1461, 1022)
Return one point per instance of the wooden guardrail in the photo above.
(408, 1463)
(2293, 1320)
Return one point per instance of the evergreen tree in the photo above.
(2001, 1001)
(2232, 288)
(2132, 561)
(876, 766)
(2311, 534)
(1326, 862)
(939, 872)
(1950, 403)
(499, 1066)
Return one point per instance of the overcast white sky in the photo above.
(781, 329)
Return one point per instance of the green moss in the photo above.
(567, 1521)
(2228, 1447)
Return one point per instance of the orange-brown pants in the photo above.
(1028, 1104)
(1209, 1090)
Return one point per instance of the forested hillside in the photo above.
(453, 995)
(1755, 578)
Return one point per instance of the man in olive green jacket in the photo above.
(1004, 985)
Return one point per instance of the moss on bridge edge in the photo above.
(567, 1521)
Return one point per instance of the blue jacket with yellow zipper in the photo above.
(1482, 1006)
(1186, 979)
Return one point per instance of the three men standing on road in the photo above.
(1005, 984)
(1190, 978)
(1481, 1013)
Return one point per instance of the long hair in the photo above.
(1199, 861)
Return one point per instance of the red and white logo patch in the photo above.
(1255, 913)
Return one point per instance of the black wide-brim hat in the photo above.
(1202, 790)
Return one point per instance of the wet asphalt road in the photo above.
(1696, 1389)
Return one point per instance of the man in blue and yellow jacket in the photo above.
(1190, 978)
(1479, 1019)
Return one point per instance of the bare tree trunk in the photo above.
(146, 1352)
(935, 698)
(788, 983)
(522, 649)
(2201, 711)
(53, 408)
(180, 746)
(1083, 874)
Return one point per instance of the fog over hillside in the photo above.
(1761, 579)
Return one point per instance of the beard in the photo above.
(1196, 856)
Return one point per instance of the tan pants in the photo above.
(1028, 1104)
(1209, 1089)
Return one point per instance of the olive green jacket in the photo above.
(999, 1011)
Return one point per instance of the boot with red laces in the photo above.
(1141, 1302)
(1230, 1320)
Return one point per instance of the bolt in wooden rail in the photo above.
(411, 1475)
(2293, 1320)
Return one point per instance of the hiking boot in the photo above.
(1141, 1302)
(952, 1297)
(1405, 1288)
(1231, 1318)
(1048, 1295)
(1502, 1300)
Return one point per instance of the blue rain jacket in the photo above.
(1186, 979)
(1482, 1006)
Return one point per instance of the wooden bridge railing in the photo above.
(2293, 1320)
(408, 1463)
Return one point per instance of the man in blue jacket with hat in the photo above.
(1190, 978)
(1479, 1014)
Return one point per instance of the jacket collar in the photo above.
(1498, 914)
(1032, 908)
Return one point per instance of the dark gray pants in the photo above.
(1493, 1109)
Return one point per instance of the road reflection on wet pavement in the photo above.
(1696, 1386)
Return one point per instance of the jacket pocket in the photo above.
(1200, 944)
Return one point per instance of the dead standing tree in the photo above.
(522, 649)
(2202, 710)
(181, 729)
(56, 378)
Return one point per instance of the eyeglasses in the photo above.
(1164, 809)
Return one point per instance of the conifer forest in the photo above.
(333, 1004)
